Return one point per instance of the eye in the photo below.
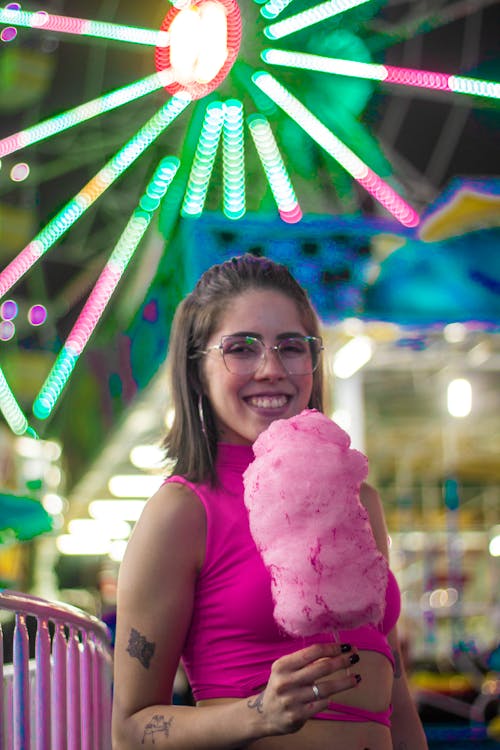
(241, 347)
(294, 347)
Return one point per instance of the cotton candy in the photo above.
(314, 535)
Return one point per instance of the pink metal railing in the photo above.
(61, 699)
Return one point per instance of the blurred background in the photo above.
(363, 152)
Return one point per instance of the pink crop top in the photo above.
(233, 638)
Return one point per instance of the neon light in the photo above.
(11, 409)
(374, 184)
(72, 117)
(198, 43)
(324, 64)
(233, 161)
(309, 17)
(274, 168)
(387, 73)
(83, 27)
(203, 161)
(91, 192)
(104, 287)
(273, 8)
(172, 62)
(474, 86)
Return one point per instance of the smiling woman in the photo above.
(193, 587)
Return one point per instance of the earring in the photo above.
(201, 414)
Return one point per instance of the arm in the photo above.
(406, 728)
(155, 601)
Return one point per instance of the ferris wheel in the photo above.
(277, 106)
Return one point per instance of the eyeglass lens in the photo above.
(243, 354)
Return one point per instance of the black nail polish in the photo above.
(358, 678)
(345, 647)
(354, 658)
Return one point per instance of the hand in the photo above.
(302, 684)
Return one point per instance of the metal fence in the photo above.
(56, 692)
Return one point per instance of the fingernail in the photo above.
(345, 647)
(354, 658)
(358, 678)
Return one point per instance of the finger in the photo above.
(325, 667)
(305, 656)
(329, 688)
(321, 693)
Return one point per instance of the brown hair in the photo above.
(193, 450)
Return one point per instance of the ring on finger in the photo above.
(316, 692)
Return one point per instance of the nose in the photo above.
(270, 366)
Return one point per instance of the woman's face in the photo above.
(245, 405)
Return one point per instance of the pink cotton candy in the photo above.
(314, 535)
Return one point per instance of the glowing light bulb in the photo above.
(459, 397)
(352, 356)
(198, 43)
(204, 39)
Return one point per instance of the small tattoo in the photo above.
(397, 668)
(156, 725)
(141, 648)
(257, 703)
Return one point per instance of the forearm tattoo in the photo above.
(155, 726)
(140, 648)
(257, 703)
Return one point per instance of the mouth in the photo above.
(268, 402)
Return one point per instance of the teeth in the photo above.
(268, 402)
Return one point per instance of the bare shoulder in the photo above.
(172, 524)
(370, 498)
(172, 500)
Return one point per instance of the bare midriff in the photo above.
(372, 694)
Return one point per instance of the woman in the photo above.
(245, 350)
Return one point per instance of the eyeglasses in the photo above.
(243, 355)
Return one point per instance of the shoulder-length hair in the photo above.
(192, 439)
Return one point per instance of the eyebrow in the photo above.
(279, 337)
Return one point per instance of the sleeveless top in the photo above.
(233, 638)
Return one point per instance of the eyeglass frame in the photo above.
(265, 349)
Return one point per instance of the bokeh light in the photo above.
(7, 330)
(9, 309)
(8, 34)
(37, 315)
(19, 172)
